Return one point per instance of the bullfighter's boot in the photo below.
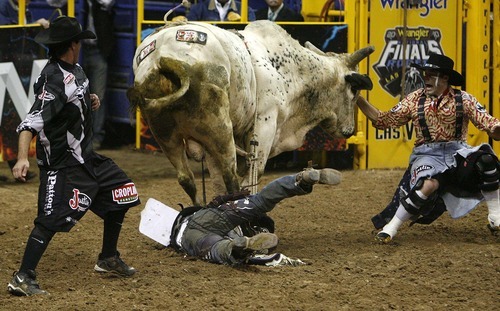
(260, 242)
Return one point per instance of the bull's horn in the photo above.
(359, 55)
(313, 48)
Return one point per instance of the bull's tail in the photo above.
(162, 87)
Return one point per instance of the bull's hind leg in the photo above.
(215, 132)
(217, 179)
(222, 166)
(174, 149)
(216, 135)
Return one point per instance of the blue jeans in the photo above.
(96, 68)
(208, 232)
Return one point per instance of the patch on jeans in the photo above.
(80, 201)
(418, 170)
(125, 194)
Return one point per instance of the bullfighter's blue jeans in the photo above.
(209, 232)
(95, 66)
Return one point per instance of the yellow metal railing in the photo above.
(477, 65)
(21, 21)
(357, 17)
(495, 70)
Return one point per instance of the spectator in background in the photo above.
(338, 5)
(9, 14)
(99, 17)
(8, 148)
(218, 10)
(278, 12)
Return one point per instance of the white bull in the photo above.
(201, 86)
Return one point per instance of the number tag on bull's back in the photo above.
(192, 36)
(148, 49)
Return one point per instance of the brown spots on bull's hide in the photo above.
(210, 73)
(158, 84)
(311, 96)
(163, 81)
(276, 62)
(208, 89)
(168, 83)
(205, 100)
(288, 83)
(162, 125)
(135, 98)
(171, 73)
(280, 59)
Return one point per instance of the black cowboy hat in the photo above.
(444, 64)
(63, 29)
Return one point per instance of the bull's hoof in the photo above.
(495, 230)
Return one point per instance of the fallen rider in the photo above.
(236, 230)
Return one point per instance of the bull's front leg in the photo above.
(221, 160)
(223, 180)
(186, 180)
(230, 177)
(214, 131)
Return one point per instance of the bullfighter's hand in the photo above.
(20, 170)
(95, 102)
(180, 18)
(43, 22)
(233, 16)
(495, 133)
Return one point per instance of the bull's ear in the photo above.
(359, 82)
(313, 48)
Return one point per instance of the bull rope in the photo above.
(204, 190)
(403, 65)
(254, 172)
(252, 156)
(184, 3)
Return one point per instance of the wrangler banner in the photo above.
(401, 37)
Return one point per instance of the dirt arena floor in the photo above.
(449, 265)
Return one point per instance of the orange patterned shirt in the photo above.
(440, 116)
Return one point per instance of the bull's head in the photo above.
(351, 82)
(357, 81)
(355, 58)
(351, 60)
